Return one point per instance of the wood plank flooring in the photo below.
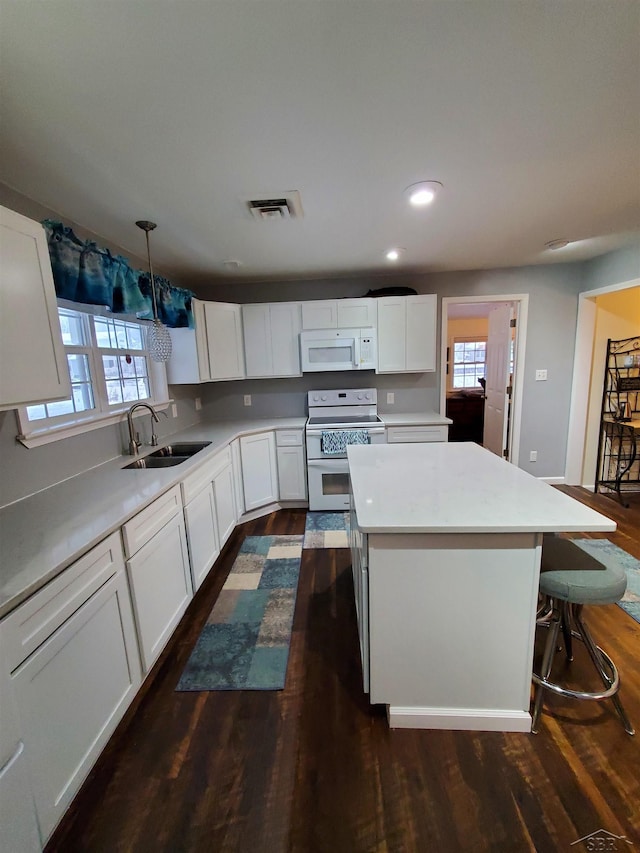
(315, 768)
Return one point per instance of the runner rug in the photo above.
(611, 555)
(244, 644)
(326, 530)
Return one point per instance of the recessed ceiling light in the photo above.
(232, 264)
(557, 244)
(393, 254)
(422, 193)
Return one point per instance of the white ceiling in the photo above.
(527, 112)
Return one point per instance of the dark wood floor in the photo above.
(315, 768)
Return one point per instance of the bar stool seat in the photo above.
(571, 578)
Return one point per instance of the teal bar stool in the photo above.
(571, 578)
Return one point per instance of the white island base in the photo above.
(452, 628)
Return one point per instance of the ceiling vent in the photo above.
(280, 206)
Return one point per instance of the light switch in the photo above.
(541, 375)
(391, 398)
(198, 403)
(247, 399)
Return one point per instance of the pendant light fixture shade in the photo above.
(158, 337)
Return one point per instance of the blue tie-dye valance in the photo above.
(84, 272)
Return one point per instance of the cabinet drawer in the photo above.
(34, 621)
(289, 438)
(196, 482)
(404, 435)
(147, 523)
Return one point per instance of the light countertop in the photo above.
(443, 487)
(44, 533)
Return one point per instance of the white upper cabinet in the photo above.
(271, 339)
(213, 351)
(407, 334)
(339, 314)
(33, 365)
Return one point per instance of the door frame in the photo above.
(521, 301)
(581, 380)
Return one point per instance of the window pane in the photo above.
(110, 366)
(141, 366)
(35, 413)
(102, 332)
(134, 337)
(121, 335)
(130, 390)
(78, 367)
(143, 389)
(63, 407)
(72, 329)
(114, 392)
(83, 397)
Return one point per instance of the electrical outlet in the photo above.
(174, 410)
(247, 399)
(198, 403)
(541, 375)
(533, 456)
(391, 398)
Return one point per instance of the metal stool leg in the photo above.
(547, 663)
(566, 630)
(599, 663)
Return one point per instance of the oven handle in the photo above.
(372, 431)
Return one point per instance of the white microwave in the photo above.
(338, 349)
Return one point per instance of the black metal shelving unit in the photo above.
(618, 460)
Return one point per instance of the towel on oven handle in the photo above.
(334, 441)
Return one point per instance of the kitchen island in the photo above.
(446, 542)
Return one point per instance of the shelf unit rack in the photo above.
(618, 460)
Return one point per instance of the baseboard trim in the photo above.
(458, 719)
(553, 481)
(265, 510)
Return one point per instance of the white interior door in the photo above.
(497, 379)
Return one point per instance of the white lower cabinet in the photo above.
(236, 461)
(160, 579)
(292, 469)
(202, 534)
(225, 500)
(259, 469)
(74, 688)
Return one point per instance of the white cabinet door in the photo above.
(160, 581)
(320, 314)
(72, 692)
(286, 324)
(256, 326)
(224, 340)
(33, 364)
(224, 494)
(292, 474)
(202, 535)
(18, 826)
(356, 313)
(392, 334)
(272, 339)
(421, 332)
(407, 334)
(259, 469)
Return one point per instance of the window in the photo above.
(468, 362)
(109, 368)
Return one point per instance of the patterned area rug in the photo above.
(611, 555)
(244, 644)
(326, 530)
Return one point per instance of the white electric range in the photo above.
(337, 418)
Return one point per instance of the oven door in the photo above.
(328, 484)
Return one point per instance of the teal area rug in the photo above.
(326, 530)
(244, 644)
(611, 555)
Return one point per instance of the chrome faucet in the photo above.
(134, 437)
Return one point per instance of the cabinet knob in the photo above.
(324, 397)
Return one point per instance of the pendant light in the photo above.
(158, 337)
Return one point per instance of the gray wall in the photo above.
(613, 268)
(550, 342)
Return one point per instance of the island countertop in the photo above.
(460, 487)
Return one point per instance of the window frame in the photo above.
(34, 433)
(466, 339)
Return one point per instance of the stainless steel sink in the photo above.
(157, 462)
(183, 448)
